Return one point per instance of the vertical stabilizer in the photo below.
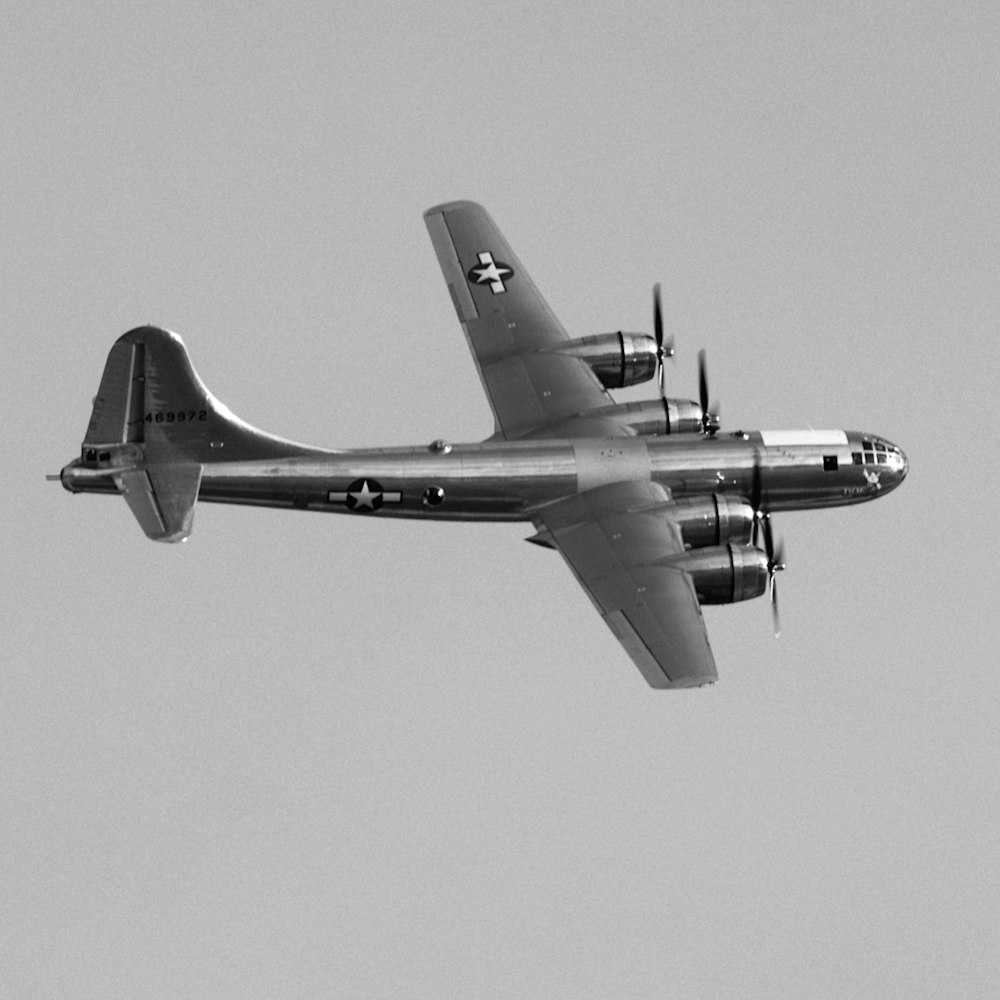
(153, 428)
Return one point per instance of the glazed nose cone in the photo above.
(899, 466)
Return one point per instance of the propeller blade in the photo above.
(779, 557)
(775, 553)
(756, 493)
(709, 414)
(775, 564)
(663, 349)
(657, 317)
(702, 382)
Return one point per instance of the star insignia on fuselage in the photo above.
(364, 495)
(490, 272)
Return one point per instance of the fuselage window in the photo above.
(829, 463)
(856, 456)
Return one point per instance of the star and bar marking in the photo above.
(364, 495)
(490, 272)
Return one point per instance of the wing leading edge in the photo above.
(509, 326)
(621, 545)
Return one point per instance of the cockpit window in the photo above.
(875, 451)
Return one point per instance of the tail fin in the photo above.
(153, 427)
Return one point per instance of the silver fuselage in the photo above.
(506, 481)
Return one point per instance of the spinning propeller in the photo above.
(775, 563)
(775, 553)
(663, 349)
(710, 422)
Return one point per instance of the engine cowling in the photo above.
(713, 520)
(653, 417)
(683, 416)
(617, 359)
(726, 574)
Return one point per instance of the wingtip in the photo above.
(453, 206)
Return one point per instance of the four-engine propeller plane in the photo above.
(653, 508)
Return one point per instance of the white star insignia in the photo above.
(365, 497)
(490, 273)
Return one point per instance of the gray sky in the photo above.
(308, 756)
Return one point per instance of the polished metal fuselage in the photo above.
(507, 481)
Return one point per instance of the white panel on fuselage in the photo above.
(807, 437)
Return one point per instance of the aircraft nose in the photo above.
(899, 466)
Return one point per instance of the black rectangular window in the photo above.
(829, 463)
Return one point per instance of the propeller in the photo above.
(709, 415)
(663, 349)
(775, 553)
(775, 564)
(756, 498)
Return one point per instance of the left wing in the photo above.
(621, 545)
(510, 328)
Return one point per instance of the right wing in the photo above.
(508, 325)
(621, 545)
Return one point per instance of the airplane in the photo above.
(654, 509)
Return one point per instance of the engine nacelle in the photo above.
(653, 417)
(713, 520)
(726, 574)
(683, 416)
(617, 359)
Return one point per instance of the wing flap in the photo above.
(619, 542)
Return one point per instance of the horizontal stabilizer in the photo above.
(162, 499)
